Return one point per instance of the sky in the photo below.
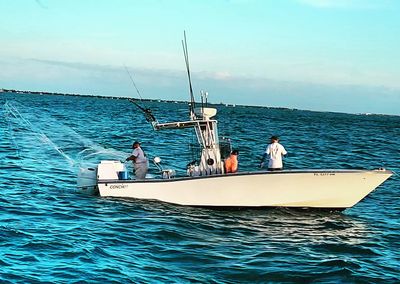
(324, 55)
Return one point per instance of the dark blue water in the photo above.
(52, 233)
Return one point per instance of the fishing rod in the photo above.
(186, 55)
(133, 82)
(147, 111)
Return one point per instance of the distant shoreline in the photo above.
(175, 101)
(124, 98)
(76, 95)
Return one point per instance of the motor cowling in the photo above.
(87, 180)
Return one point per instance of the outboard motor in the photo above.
(106, 170)
(87, 180)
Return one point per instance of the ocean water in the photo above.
(51, 232)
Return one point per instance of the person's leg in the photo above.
(140, 171)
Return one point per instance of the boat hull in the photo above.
(337, 189)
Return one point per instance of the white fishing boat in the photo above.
(206, 183)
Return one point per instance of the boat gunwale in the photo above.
(248, 173)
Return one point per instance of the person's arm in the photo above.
(284, 152)
(131, 158)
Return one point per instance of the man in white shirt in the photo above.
(274, 151)
(139, 159)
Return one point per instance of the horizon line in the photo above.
(2, 90)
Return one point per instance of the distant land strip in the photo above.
(79, 95)
(173, 101)
(121, 98)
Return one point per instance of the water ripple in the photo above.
(50, 233)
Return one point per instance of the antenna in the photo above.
(185, 53)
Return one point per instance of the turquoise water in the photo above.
(50, 232)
